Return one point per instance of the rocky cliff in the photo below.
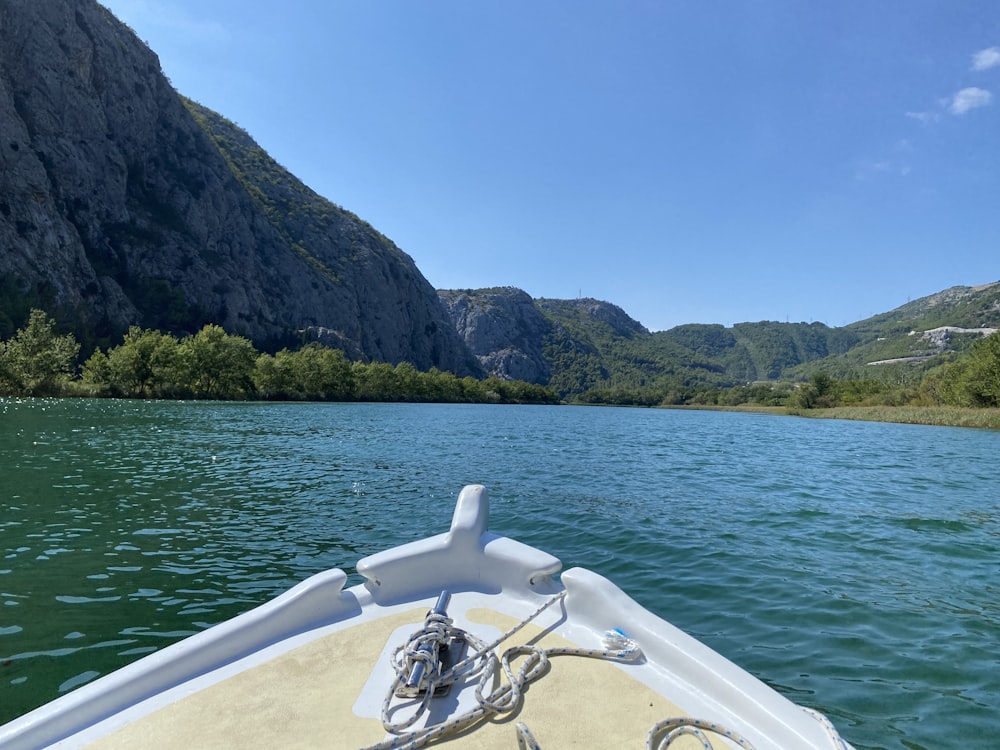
(515, 337)
(503, 329)
(121, 203)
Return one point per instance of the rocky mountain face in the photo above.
(503, 329)
(121, 203)
(537, 340)
(516, 337)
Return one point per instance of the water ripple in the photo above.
(850, 565)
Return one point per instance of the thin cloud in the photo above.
(986, 58)
(969, 99)
(868, 169)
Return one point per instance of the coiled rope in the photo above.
(482, 661)
(438, 631)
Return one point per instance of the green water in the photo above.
(853, 566)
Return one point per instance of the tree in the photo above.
(979, 379)
(315, 372)
(376, 381)
(445, 387)
(215, 364)
(144, 365)
(819, 393)
(272, 375)
(412, 384)
(322, 373)
(36, 361)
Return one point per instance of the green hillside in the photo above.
(595, 351)
(905, 342)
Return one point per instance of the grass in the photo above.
(942, 416)
(946, 416)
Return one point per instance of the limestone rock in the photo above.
(121, 204)
(503, 329)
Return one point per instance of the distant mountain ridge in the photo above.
(123, 203)
(585, 344)
(951, 299)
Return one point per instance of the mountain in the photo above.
(584, 345)
(504, 329)
(123, 204)
(923, 332)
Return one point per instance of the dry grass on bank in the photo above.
(943, 416)
(947, 416)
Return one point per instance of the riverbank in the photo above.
(942, 416)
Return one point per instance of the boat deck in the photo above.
(327, 693)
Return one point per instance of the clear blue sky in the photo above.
(689, 161)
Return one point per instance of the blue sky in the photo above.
(689, 161)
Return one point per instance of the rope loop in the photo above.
(678, 726)
(422, 647)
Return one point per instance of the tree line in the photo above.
(213, 364)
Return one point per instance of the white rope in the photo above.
(482, 661)
(439, 630)
(839, 743)
(525, 739)
(687, 725)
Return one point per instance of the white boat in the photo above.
(418, 655)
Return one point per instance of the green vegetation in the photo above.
(972, 380)
(212, 364)
(292, 209)
(960, 389)
(611, 363)
(597, 354)
(37, 361)
(950, 416)
(814, 370)
(940, 365)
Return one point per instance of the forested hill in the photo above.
(123, 204)
(587, 345)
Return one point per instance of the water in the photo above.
(852, 566)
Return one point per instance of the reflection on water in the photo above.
(850, 565)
